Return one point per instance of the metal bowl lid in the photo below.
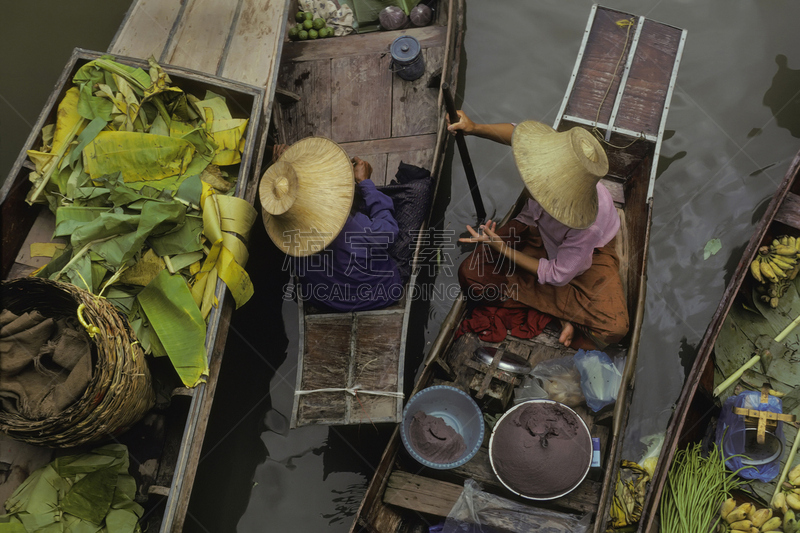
(509, 362)
(405, 48)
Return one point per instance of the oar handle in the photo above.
(472, 181)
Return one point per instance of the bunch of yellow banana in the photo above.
(747, 517)
(787, 501)
(777, 261)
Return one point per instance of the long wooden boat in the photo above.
(169, 438)
(405, 496)
(228, 46)
(697, 409)
(346, 89)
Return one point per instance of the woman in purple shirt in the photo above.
(356, 272)
(558, 255)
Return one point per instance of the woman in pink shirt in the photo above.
(558, 254)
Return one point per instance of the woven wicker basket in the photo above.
(120, 391)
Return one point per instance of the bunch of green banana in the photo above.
(777, 261)
(772, 292)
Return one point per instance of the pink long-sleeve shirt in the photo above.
(569, 251)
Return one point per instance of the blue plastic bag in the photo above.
(730, 435)
(600, 377)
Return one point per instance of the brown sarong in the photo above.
(594, 301)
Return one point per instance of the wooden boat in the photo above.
(405, 496)
(697, 409)
(383, 119)
(236, 52)
(169, 437)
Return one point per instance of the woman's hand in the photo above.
(487, 236)
(361, 170)
(277, 151)
(464, 124)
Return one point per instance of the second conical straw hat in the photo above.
(560, 170)
(306, 196)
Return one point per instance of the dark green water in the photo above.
(733, 128)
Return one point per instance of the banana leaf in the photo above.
(183, 241)
(137, 156)
(85, 137)
(10, 524)
(69, 219)
(173, 314)
(122, 243)
(90, 497)
(67, 118)
(742, 334)
(87, 493)
(366, 12)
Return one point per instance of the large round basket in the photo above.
(120, 391)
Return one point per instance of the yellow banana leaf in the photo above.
(225, 218)
(46, 249)
(228, 134)
(173, 314)
(67, 117)
(138, 156)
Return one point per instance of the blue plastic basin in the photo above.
(457, 409)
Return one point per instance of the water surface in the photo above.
(732, 130)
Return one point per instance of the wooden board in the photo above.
(201, 35)
(361, 96)
(415, 103)
(350, 351)
(644, 99)
(311, 115)
(642, 53)
(147, 28)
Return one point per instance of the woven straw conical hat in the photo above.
(560, 170)
(306, 196)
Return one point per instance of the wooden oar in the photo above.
(462, 150)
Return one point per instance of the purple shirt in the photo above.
(569, 251)
(355, 271)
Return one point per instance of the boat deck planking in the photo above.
(403, 496)
(345, 89)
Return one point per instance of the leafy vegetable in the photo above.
(91, 492)
(124, 169)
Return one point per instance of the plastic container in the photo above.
(457, 409)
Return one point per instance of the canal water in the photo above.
(733, 128)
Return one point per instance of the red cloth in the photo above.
(492, 324)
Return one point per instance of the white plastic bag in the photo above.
(476, 511)
(600, 377)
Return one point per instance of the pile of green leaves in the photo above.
(88, 493)
(123, 170)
